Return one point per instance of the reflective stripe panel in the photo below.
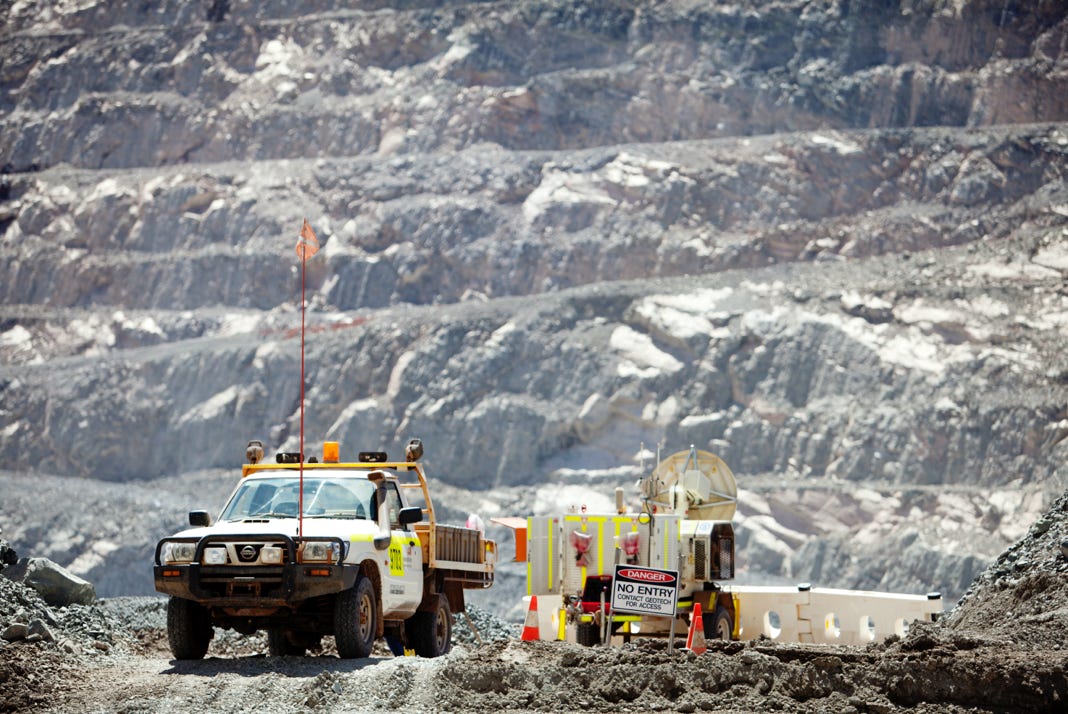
(549, 584)
(542, 547)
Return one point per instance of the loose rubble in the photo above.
(1023, 596)
(1001, 649)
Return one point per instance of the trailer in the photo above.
(683, 527)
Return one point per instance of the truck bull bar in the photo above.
(252, 585)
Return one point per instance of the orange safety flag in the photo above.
(307, 244)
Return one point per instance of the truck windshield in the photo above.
(324, 497)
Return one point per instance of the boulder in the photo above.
(54, 583)
(15, 631)
(38, 630)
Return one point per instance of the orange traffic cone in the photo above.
(530, 626)
(695, 639)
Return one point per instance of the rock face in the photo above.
(824, 240)
(178, 83)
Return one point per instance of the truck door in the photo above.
(402, 571)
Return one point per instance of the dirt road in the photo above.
(152, 682)
(930, 670)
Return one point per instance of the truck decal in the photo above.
(396, 557)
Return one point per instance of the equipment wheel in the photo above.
(430, 631)
(189, 628)
(719, 625)
(588, 634)
(356, 620)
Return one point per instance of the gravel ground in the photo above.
(1001, 649)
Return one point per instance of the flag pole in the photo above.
(307, 246)
(300, 450)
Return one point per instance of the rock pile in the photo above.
(42, 649)
(21, 608)
(487, 628)
(1023, 596)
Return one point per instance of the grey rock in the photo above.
(58, 586)
(39, 630)
(15, 631)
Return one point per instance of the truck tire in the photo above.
(356, 620)
(588, 634)
(188, 629)
(719, 625)
(430, 631)
(280, 642)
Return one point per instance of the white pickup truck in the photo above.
(356, 553)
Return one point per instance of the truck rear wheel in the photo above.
(282, 642)
(430, 631)
(356, 620)
(188, 628)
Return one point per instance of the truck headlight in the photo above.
(215, 555)
(321, 552)
(271, 555)
(177, 552)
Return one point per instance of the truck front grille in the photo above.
(249, 553)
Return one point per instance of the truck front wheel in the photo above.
(430, 631)
(356, 620)
(188, 629)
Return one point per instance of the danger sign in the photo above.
(645, 591)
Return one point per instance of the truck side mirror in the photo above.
(410, 515)
(199, 518)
